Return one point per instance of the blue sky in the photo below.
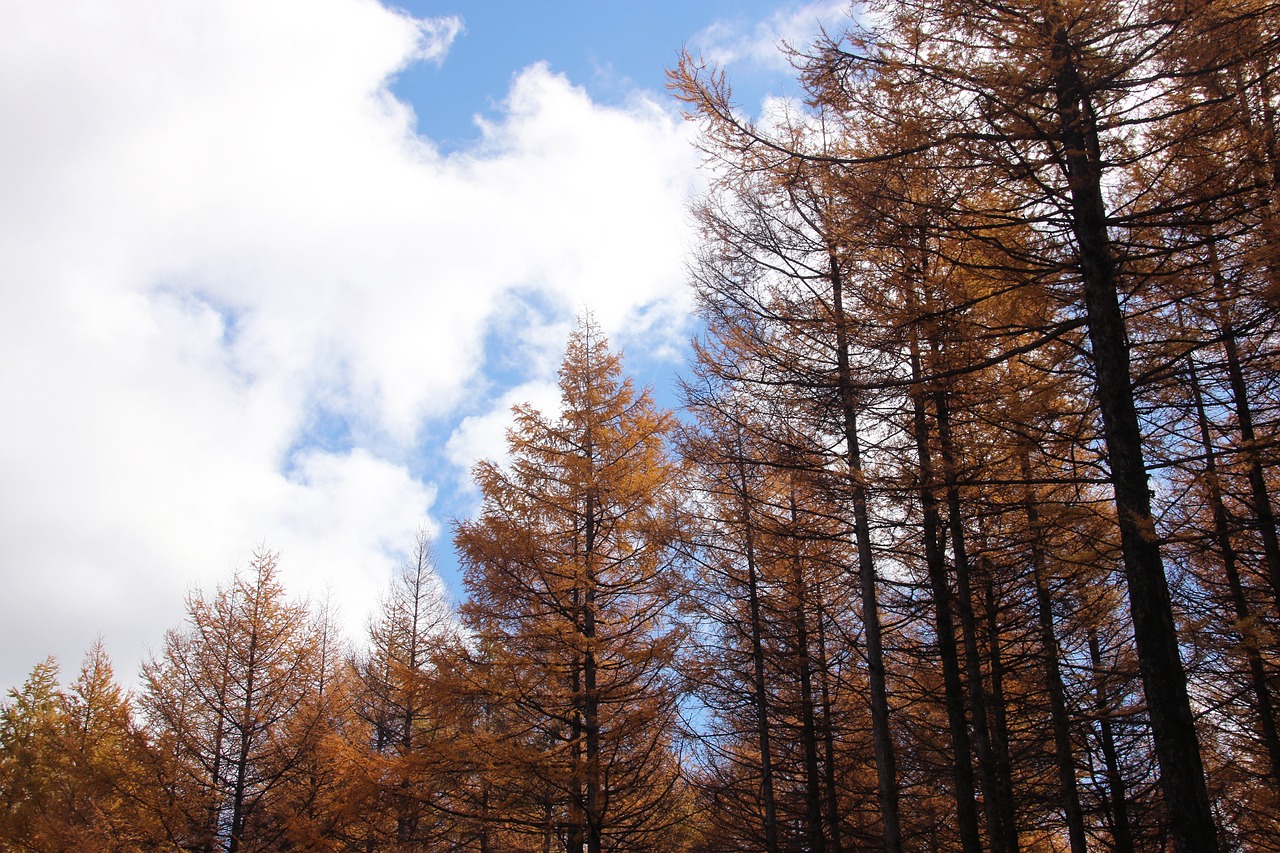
(275, 273)
(610, 48)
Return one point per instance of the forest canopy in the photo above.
(963, 538)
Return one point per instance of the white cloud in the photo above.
(437, 35)
(237, 287)
(483, 436)
(728, 42)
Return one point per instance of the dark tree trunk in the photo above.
(999, 713)
(944, 629)
(590, 693)
(1240, 604)
(1121, 829)
(1266, 518)
(1163, 678)
(761, 697)
(828, 731)
(239, 804)
(808, 721)
(1000, 837)
(1067, 787)
(881, 737)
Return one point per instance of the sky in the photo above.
(274, 273)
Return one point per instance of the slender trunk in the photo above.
(1222, 533)
(591, 722)
(828, 729)
(590, 694)
(408, 816)
(808, 723)
(1121, 830)
(757, 663)
(1163, 677)
(577, 839)
(1067, 787)
(1266, 519)
(409, 689)
(219, 737)
(999, 713)
(247, 726)
(881, 737)
(944, 628)
(999, 835)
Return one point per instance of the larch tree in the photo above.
(405, 719)
(31, 761)
(319, 804)
(227, 697)
(569, 572)
(777, 289)
(782, 753)
(72, 764)
(1052, 102)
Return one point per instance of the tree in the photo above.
(323, 802)
(29, 762)
(569, 572)
(1055, 104)
(408, 724)
(72, 764)
(228, 700)
(778, 289)
(782, 718)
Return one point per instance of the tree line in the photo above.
(964, 541)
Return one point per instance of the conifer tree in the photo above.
(406, 722)
(227, 697)
(569, 572)
(1052, 105)
(29, 756)
(72, 764)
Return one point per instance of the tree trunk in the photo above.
(1222, 533)
(1121, 830)
(808, 723)
(1067, 787)
(828, 730)
(247, 725)
(944, 629)
(1266, 519)
(1000, 836)
(1163, 678)
(757, 663)
(881, 737)
(590, 694)
(999, 713)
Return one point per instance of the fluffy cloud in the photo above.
(756, 44)
(238, 288)
(483, 435)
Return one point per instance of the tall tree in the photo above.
(778, 290)
(1050, 101)
(405, 718)
(229, 695)
(568, 566)
(30, 757)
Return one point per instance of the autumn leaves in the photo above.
(964, 540)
